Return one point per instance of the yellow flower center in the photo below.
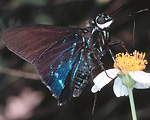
(130, 62)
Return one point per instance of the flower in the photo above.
(127, 73)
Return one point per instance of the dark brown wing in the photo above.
(30, 42)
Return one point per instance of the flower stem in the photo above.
(132, 104)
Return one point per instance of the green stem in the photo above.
(132, 104)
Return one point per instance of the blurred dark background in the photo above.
(22, 94)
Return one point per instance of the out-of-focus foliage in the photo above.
(22, 98)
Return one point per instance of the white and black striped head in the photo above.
(103, 21)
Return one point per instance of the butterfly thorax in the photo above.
(97, 37)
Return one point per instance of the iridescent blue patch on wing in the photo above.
(60, 77)
(59, 64)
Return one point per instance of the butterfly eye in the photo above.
(101, 20)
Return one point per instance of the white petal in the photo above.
(102, 79)
(141, 86)
(119, 88)
(140, 76)
(95, 88)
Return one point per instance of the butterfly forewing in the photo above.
(30, 42)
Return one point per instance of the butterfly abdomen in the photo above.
(80, 83)
(82, 78)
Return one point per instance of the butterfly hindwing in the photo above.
(57, 73)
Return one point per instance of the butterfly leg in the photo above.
(105, 37)
(118, 42)
(100, 63)
(95, 95)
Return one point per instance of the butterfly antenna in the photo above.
(94, 104)
(143, 10)
(130, 15)
(119, 9)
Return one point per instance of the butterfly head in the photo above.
(103, 21)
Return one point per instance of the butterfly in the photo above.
(64, 57)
